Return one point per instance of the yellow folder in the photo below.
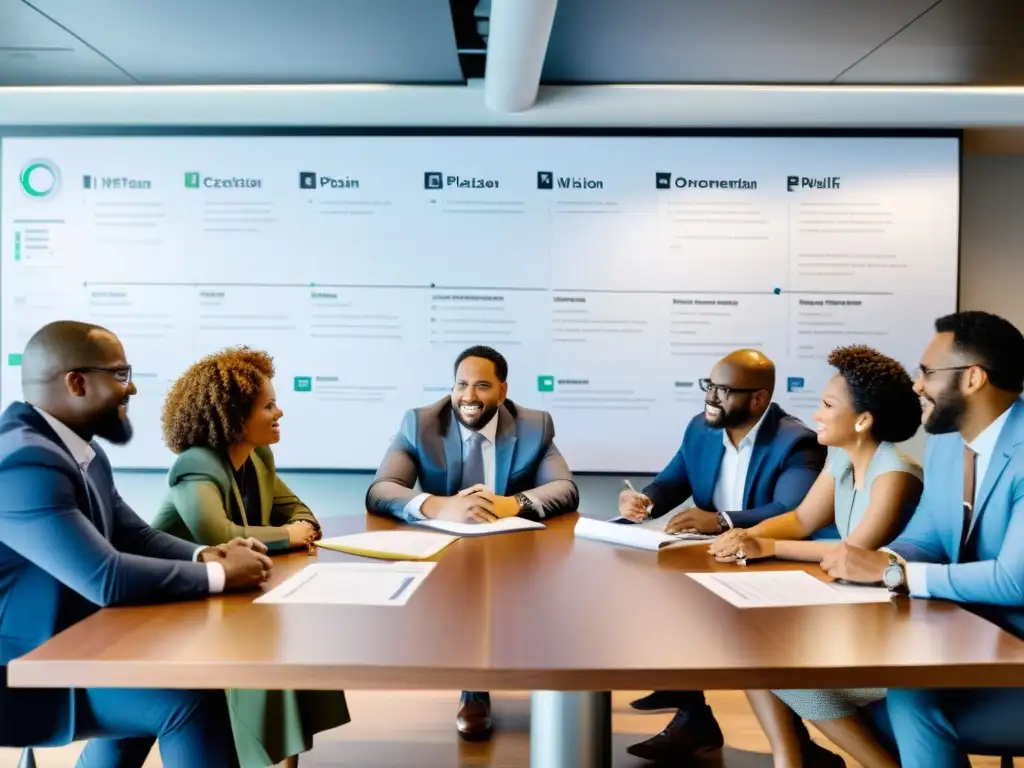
(390, 545)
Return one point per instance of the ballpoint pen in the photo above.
(629, 485)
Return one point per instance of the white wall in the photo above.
(992, 278)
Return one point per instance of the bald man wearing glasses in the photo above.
(742, 461)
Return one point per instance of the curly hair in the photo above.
(210, 403)
(881, 386)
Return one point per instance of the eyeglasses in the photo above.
(924, 372)
(707, 385)
(122, 374)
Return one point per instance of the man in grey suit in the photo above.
(477, 457)
(70, 545)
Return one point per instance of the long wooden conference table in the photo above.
(540, 611)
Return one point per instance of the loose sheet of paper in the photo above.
(785, 589)
(632, 535)
(350, 584)
(390, 545)
(504, 525)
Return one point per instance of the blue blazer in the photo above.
(784, 464)
(65, 551)
(992, 582)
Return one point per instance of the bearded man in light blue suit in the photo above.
(965, 542)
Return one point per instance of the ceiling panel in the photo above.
(35, 51)
(979, 42)
(268, 41)
(718, 41)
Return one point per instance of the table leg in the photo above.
(571, 730)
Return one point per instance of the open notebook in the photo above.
(634, 535)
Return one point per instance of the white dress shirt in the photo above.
(732, 474)
(489, 433)
(984, 445)
(83, 454)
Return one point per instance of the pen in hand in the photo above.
(649, 506)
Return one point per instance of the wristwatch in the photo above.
(525, 505)
(894, 577)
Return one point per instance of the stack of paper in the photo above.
(390, 584)
(503, 525)
(632, 535)
(390, 545)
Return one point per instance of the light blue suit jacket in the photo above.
(66, 549)
(993, 582)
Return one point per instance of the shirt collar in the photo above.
(81, 451)
(985, 443)
(748, 439)
(489, 430)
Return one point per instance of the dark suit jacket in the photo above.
(784, 464)
(428, 449)
(65, 551)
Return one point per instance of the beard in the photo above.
(728, 419)
(485, 415)
(947, 413)
(113, 427)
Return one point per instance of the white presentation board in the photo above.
(611, 271)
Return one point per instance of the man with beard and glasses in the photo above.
(965, 542)
(477, 458)
(743, 460)
(70, 545)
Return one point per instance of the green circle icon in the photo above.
(39, 178)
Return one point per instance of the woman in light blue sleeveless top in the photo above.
(869, 489)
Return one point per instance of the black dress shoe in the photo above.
(690, 735)
(668, 701)
(474, 719)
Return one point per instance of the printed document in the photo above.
(785, 589)
(504, 525)
(350, 584)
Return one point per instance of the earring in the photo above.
(859, 428)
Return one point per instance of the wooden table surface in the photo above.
(537, 610)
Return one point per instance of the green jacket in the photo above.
(203, 501)
(268, 726)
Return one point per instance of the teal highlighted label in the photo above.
(303, 384)
(14, 358)
(545, 383)
(192, 180)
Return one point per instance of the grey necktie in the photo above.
(473, 461)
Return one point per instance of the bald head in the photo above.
(77, 373)
(739, 390)
(63, 346)
(749, 369)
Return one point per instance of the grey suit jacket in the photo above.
(428, 449)
(68, 548)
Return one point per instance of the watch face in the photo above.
(892, 577)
